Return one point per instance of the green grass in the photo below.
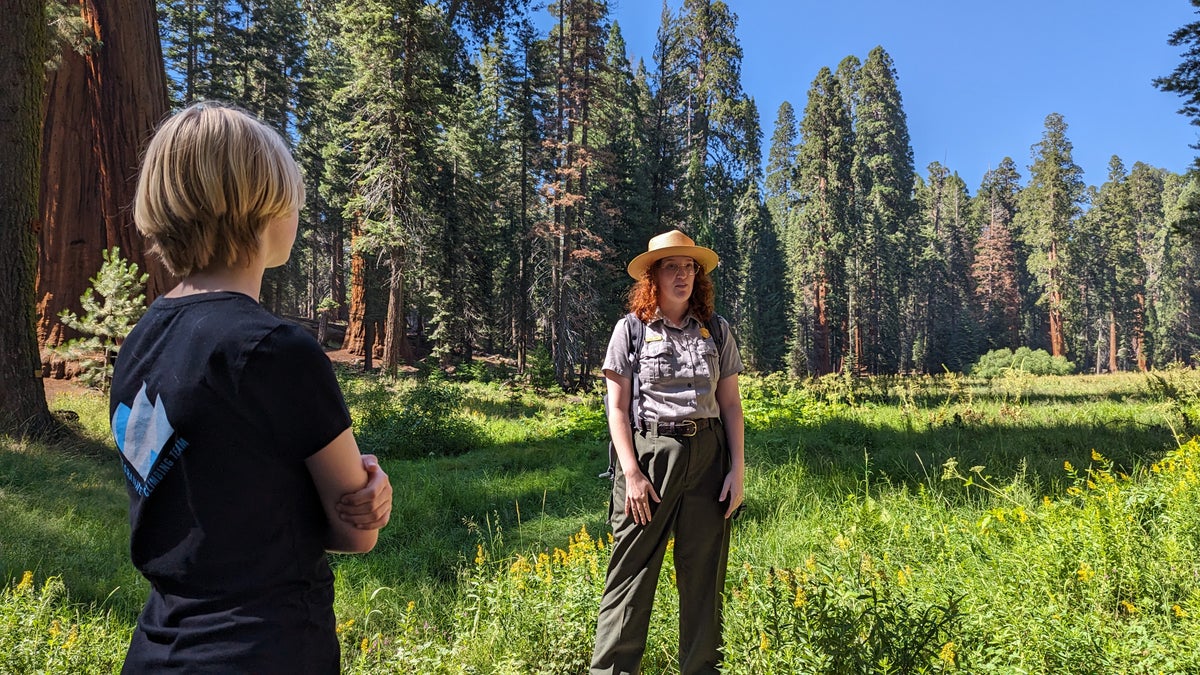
(893, 525)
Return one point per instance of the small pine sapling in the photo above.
(111, 307)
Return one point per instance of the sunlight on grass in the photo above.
(924, 524)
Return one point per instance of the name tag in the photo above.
(654, 338)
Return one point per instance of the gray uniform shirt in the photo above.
(679, 367)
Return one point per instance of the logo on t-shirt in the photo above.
(147, 441)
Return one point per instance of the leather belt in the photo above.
(682, 428)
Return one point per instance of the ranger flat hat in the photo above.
(668, 244)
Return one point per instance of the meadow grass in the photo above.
(924, 524)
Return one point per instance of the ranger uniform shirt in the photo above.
(679, 367)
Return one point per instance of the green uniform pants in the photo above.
(688, 474)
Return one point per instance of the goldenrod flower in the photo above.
(1067, 467)
(479, 557)
(26, 582)
(1129, 607)
(1179, 611)
(764, 644)
(71, 637)
(1085, 572)
(946, 655)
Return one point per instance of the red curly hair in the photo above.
(643, 297)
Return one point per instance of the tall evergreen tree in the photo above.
(1174, 294)
(1048, 208)
(395, 98)
(763, 322)
(721, 148)
(1185, 79)
(577, 40)
(939, 318)
(996, 269)
(883, 177)
(817, 236)
(23, 51)
(101, 104)
(1147, 193)
(781, 193)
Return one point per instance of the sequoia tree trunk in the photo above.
(100, 109)
(22, 54)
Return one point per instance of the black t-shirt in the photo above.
(215, 405)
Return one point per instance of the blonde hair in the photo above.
(212, 178)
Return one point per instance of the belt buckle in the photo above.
(695, 428)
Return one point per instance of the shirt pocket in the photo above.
(711, 360)
(658, 362)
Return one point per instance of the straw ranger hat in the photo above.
(668, 244)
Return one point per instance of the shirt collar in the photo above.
(687, 319)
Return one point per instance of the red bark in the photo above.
(100, 109)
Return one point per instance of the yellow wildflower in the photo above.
(1179, 611)
(1128, 607)
(946, 655)
(411, 606)
(764, 644)
(55, 629)
(479, 557)
(841, 542)
(344, 626)
(362, 646)
(802, 597)
(1067, 467)
(1085, 572)
(1097, 457)
(26, 582)
(71, 637)
(902, 576)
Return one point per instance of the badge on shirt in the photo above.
(704, 333)
(654, 338)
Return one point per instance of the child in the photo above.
(240, 463)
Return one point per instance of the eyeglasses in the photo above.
(686, 269)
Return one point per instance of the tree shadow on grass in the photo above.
(64, 512)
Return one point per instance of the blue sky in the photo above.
(977, 78)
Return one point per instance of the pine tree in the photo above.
(1185, 79)
(996, 270)
(781, 192)
(938, 316)
(1147, 192)
(577, 40)
(763, 324)
(1048, 208)
(395, 98)
(818, 234)
(1173, 302)
(883, 178)
(107, 319)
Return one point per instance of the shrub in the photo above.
(540, 369)
(424, 420)
(1032, 361)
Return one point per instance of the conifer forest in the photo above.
(476, 184)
